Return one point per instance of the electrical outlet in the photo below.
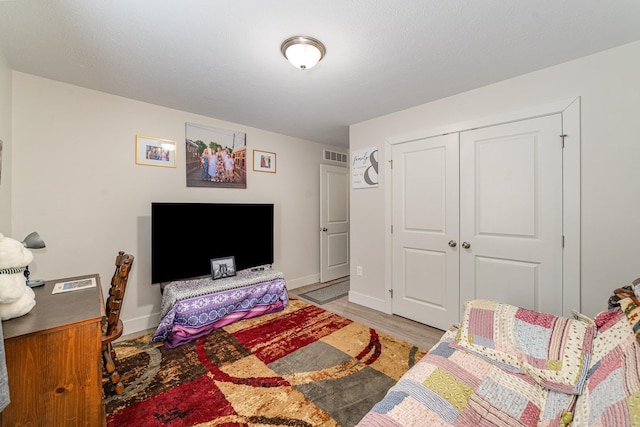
(359, 270)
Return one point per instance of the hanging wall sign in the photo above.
(364, 168)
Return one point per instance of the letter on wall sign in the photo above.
(364, 168)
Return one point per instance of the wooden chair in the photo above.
(112, 329)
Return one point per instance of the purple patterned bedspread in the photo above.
(186, 319)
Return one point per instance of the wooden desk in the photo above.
(54, 360)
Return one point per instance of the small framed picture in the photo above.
(223, 267)
(74, 285)
(155, 151)
(264, 161)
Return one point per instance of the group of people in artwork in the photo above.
(217, 166)
(157, 153)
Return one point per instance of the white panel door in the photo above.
(425, 229)
(511, 214)
(334, 222)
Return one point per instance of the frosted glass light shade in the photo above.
(303, 52)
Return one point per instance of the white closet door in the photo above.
(425, 219)
(511, 214)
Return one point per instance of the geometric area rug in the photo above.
(303, 367)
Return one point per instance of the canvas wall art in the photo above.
(215, 157)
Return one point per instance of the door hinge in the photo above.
(392, 229)
(391, 292)
(563, 136)
(563, 242)
(391, 163)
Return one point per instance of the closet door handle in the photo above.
(323, 229)
(466, 245)
(453, 243)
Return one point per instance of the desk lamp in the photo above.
(33, 241)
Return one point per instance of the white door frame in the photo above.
(570, 110)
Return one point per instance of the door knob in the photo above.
(324, 229)
(453, 243)
(466, 245)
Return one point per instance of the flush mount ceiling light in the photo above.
(303, 52)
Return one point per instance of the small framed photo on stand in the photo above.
(223, 267)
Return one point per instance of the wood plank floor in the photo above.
(415, 333)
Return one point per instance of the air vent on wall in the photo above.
(334, 156)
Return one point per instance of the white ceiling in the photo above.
(221, 58)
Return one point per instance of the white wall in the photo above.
(5, 137)
(609, 88)
(76, 182)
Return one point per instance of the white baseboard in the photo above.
(369, 302)
(141, 324)
(302, 281)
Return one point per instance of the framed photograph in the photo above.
(223, 267)
(214, 157)
(264, 161)
(74, 285)
(155, 151)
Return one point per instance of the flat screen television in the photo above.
(185, 237)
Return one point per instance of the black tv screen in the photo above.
(185, 237)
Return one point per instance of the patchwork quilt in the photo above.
(509, 366)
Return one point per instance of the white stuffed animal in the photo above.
(16, 298)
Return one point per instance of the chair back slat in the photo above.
(112, 330)
(117, 290)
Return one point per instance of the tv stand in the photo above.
(193, 308)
